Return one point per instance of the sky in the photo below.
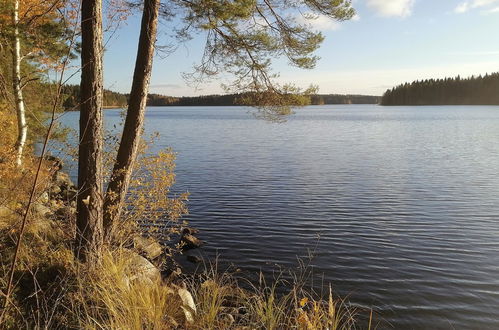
(388, 42)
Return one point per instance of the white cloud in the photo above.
(318, 22)
(465, 6)
(462, 8)
(478, 53)
(493, 10)
(400, 8)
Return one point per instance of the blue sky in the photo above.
(388, 43)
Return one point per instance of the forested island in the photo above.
(480, 90)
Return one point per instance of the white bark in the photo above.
(18, 93)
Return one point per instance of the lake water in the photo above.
(399, 204)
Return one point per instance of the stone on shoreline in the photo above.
(189, 241)
(149, 246)
(143, 269)
(42, 210)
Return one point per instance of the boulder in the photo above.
(68, 194)
(190, 230)
(41, 210)
(148, 246)
(55, 190)
(62, 178)
(65, 212)
(188, 241)
(142, 269)
(44, 198)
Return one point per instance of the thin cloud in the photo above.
(172, 86)
(466, 6)
(482, 53)
(392, 8)
(493, 10)
(318, 22)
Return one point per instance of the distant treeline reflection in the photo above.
(481, 90)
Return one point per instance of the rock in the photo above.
(143, 269)
(56, 162)
(188, 241)
(55, 204)
(68, 194)
(62, 179)
(171, 273)
(194, 259)
(65, 212)
(41, 210)
(44, 198)
(149, 246)
(190, 230)
(55, 190)
(188, 305)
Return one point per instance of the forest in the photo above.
(71, 97)
(480, 90)
(238, 99)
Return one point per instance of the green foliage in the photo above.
(242, 37)
(71, 98)
(449, 91)
(38, 97)
(238, 99)
(344, 99)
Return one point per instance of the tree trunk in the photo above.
(134, 122)
(89, 231)
(18, 93)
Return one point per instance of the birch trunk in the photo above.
(89, 231)
(18, 93)
(134, 122)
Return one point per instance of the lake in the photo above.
(399, 205)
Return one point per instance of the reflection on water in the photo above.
(405, 201)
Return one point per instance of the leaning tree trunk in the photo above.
(134, 122)
(89, 231)
(22, 126)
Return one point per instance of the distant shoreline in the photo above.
(111, 107)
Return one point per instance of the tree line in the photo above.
(475, 90)
(71, 96)
(239, 99)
